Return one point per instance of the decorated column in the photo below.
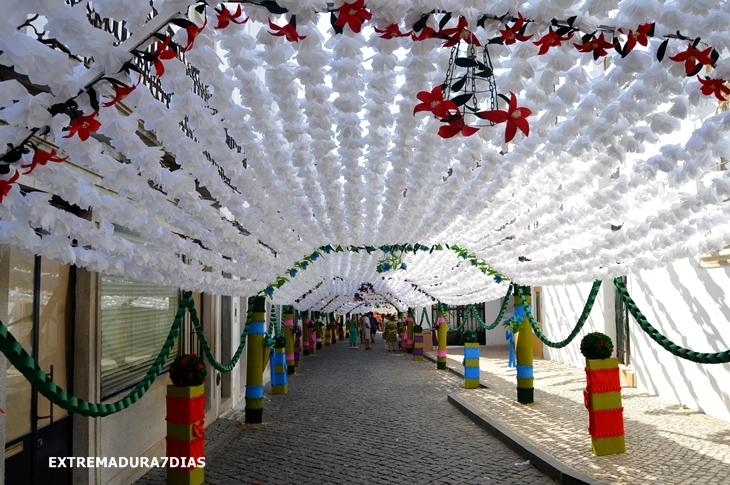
(289, 335)
(305, 336)
(327, 331)
(279, 367)
(312, 336)
(417, 342)
(471, 359)
(319, 331)
(441, 335)
(255, 362)
(602, 395)
(409, 328)
(185, 421)
(525, 384)
(297, 332)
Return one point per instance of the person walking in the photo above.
(391, 334)
(365, 329)
(373, 327)
(354, 331)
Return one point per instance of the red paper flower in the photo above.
(551, 39)
(426, 33)
(84, 126)
(353, 14)
(435, 103)
(597, 46)
(225, 17)
(458, 33)
(41, 158)
(391, 32)
(512, 34)
(693, 57)
(121, 92)
(6, 185)
(714, 86)
(289, 31)
(163, 51)
(193, 31)
(514, 116)
(455, 127)
(638, 36)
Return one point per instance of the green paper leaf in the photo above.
(462, 99)
(662, 50)
(465, 62)
(572, 19)
(458, 84)
(444, 20)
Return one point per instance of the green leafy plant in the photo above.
(469, 337)
(188, 370)
(417, 329)
(596, 345)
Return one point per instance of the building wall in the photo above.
(686, 303)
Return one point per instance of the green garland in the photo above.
(681, 352)
(424, 313)
(581, 321)
(30, 369)
(491, 326)
(393, 255)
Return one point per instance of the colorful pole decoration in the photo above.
(333, 327)
(279, 367)
(417, 342)
(471, 359)
(289, 335)
(441, 332)
(525, 381)
(185, 405)
(409, 328)
(255, 362)
(305, 336)
(319, 332)
(602, 395)
(297, 344)
(328, 330)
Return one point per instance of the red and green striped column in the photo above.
(441, 336)
(255, 362)
(605, 411)
(289, 335)
(523, 350)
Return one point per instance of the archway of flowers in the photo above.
(585, 143)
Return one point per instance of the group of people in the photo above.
(366, 329)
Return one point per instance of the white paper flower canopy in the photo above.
(342, 182)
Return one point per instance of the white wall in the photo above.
(491, 310)
(686, 303)
(689, 305)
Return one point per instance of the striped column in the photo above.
(471, 365)
(297, 349)
(409, 327)
(441, 335)
(305, 336)
(417, 342)
(255, 362)
(278, 367)
(334, 330)
(289, 335)
(327, 332)
(525, 381)
(605, 411)
(185, 433)
(319, 333)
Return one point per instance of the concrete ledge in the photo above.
(551, 467)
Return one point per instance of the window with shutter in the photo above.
(135, 320)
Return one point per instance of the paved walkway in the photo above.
(665, 442)
(357, 417)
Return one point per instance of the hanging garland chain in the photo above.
(424, 314)
(37, 377)
(681, 352)
(187, 297)
(496, 321)
(579, 324)
(400, 249)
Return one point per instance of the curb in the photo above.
(547, 464)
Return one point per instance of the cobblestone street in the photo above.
(357, 417)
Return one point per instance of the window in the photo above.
(135, 320)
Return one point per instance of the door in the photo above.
(39, 311)
(623, 347)
(537, 314)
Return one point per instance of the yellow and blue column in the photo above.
(525, 381)
(279, 383)
(471, 365)
(255, 362)
(441, 334)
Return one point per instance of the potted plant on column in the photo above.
(603, 395)
(185, 421)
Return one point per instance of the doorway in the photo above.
(537, 314)
(40, 308)
(623, 345)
